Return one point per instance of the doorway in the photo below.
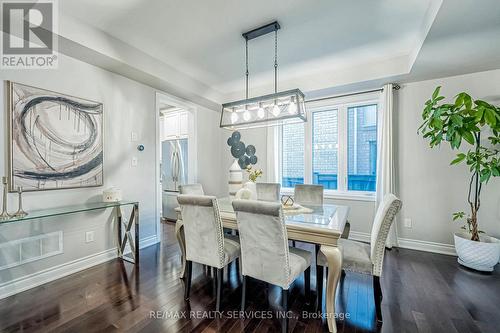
(176, 151)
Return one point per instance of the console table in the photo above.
(124, 229)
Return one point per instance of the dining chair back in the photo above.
(382, 222)
(264, 241)
(265, 254)
(193, 189)
(268, 191)
(202, 229)
(306, 194)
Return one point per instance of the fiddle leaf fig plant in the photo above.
(461, 125)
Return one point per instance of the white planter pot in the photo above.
(481, 256)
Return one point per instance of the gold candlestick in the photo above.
(4, 215)
(20, 212)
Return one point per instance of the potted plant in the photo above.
(473, 128)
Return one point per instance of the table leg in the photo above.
(334, 259)
(179, 233)
(136, 217)
(119, 229)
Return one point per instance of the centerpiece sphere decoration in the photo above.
(244, 154)
(244, 157)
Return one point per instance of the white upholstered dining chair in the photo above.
(193, 189)
(268, 191)
(205, 242)
(265, 254)
(366, 258)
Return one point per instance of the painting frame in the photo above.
(9, 93)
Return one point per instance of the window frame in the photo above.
(341, 104)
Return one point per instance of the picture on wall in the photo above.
(55, 140)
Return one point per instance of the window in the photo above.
(336, 147)
(324, 148)
(292, 155)
(361, 148)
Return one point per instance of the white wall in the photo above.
(128, 106)
(430, 188)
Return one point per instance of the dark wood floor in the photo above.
(422, 293)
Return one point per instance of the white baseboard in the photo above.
(412, 244)
(148, 241)
(359, 236)
(56, 272)
(33, 280)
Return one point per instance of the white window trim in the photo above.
(341, 104)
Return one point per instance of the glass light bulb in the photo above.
(234, 117)
(292, 108)
(276, 110)
(246, 115)
(261, 113)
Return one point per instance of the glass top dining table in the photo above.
(326, 216)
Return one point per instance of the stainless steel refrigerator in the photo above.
(174, 172)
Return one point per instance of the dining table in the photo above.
(316, 224)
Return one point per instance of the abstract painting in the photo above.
(56, 140)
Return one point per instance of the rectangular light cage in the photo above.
(269, 110)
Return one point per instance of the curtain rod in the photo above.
(395, 87)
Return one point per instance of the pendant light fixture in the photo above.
(268, 110)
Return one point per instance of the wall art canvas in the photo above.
(56, 140)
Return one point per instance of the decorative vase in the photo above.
(235, 178)
(481, 256)
(252, 187)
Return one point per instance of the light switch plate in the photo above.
(408, 222)
(134, 161)
(89, 237)
(134, 137)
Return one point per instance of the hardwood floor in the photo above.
(423, 292)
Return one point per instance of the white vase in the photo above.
(481, 256)
(235, 178)
(252, 188)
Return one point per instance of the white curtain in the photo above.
(272, 165)
(386, 178)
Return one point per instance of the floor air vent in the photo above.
(25, 250)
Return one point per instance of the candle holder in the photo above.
(20, 212)
(4, 215)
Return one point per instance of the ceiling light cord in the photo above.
(246, 73)
(275, 61)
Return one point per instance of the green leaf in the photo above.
(436, 92)
(489, 117)
(485, 176)
(437, 123)
(460, 158)
(457, 120)
(469, 137)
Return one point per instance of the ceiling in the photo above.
(322, 45)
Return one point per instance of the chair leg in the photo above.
(284, 320)
(243, 292)
(319, 287)
(307, 282)
(189, 269)
(293, 243)
(377, 292)
(220, 277)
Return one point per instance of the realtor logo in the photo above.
(29, 34)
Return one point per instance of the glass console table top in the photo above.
(56, 211)
(320, 215)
